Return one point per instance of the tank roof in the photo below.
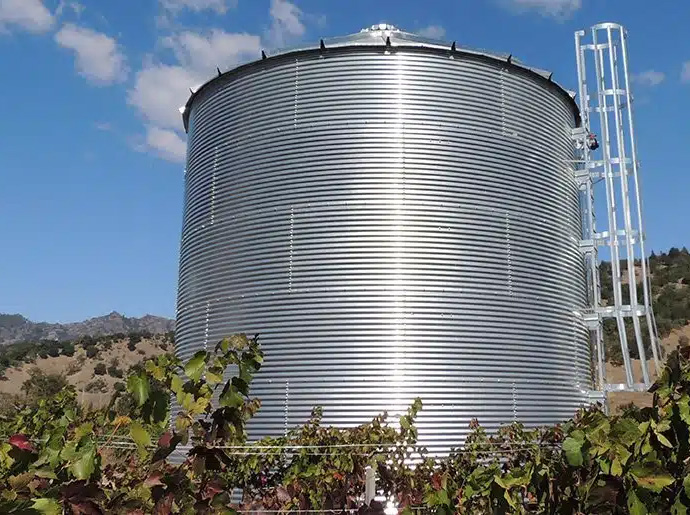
(386, 36)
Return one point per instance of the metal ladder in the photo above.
(615, 168)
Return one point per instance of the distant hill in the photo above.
(17, 328)
(96, 366)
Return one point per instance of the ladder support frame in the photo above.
(610, 109)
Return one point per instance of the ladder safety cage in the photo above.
(608, 161)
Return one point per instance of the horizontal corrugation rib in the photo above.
(393, 226)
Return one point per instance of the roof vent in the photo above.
(381, 27)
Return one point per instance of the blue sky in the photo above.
(91, 178)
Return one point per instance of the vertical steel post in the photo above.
(644, 263)
(369, 485)
(625, 196)
(603, 109)
(589, 229)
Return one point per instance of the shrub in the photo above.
(68, 349)
(41, 385)
(100, 369)
(8, 405)
(113, 371)
(96, 386)
(74, 368)
(683, 340)
(120, 386)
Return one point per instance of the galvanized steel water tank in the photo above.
(395, 217)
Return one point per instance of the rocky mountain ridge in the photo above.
(17, 328)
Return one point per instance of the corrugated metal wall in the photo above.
(393, 225)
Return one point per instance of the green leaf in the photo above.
(443, 497)
(213, 377)
(651, 477)
(195, 366)
(572, 447)
(8, 495)
(47, 506)
(85, 464)
(223, 345)
(140, 436)
(626, 431)
(51, 452)
(138, 386)
(663, 440)
(45, 473)
(230, 397)
(635, 506)
(678, 507)
(199, 406)
(239, 341)
(69, 451)
(577, 435)
(622, 453)
(83, 430)
(156, 371)
(616, 468)
(686, 485)
(186, 400)
(176, 384)
(159, 408)
(684, 408)
(599, 434)
(181, 424)
(240, 385)
(437, 498)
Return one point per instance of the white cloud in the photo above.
(216, 49)
(286, 23)
(31, 15)
(433, 32)
(71, 5)
(649, 78)
(99, 58)
(161, 89)
(554, 8)
(219, 6)
(166, 144)
(685, 72)
(103, 126)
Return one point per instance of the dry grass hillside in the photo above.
(670, 281)
(616, 373)
(96, 369)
